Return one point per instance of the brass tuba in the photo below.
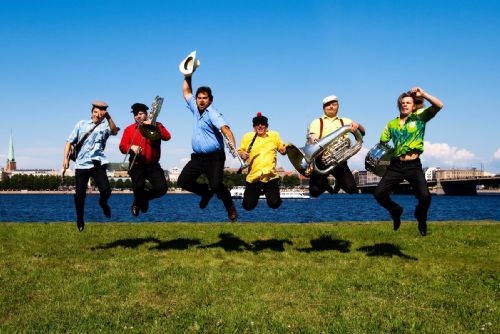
(151, 131)
(332, 150)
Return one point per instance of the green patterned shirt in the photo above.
(410, 136)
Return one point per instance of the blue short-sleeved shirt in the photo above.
(94, 145)
(207, 137)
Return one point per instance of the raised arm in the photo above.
(187, 88)
(112, 125)
(436, 103)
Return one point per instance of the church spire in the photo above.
(11, 161)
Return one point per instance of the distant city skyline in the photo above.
(273, 56)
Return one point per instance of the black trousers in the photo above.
(156, 177)
(212, 165)
(397, 172)
(98, 173)
(253, 190)
(318, 183)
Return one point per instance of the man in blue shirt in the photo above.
(208, 147)
(90, 160)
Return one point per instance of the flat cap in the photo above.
(330, 98)
(99, 104)
(136, 107)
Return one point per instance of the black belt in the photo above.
(207, 155)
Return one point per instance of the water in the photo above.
(184, 208)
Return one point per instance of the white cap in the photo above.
(189, 64)
(330, 98)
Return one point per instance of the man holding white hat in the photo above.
(320, 128)
(208, 155)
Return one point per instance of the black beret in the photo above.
(259, 119)
(136, 107)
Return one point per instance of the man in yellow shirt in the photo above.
(320, 128)
(258, 149)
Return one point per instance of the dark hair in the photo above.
(406, 94)
(205, 89)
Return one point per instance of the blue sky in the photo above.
(277, 57)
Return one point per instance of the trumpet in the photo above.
(149, 131)
(332, 150)
(234, 153)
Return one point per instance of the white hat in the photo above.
(189, 64)
(330, 98)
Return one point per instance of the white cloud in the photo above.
(496, 155)
(444, 155)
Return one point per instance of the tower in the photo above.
(11, 162)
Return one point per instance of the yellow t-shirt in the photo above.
(262, 159)
(330, 124)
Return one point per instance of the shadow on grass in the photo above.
(326, 243)
(387, 250)
(179, 243)
(230, 243)
(277, 245)
(127, 243)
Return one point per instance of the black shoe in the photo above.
(80, 224)
(135, 210)
(396, 217)
(422, 227)
(145, 206)
(232, 214)
(205, 199)
(106, 210)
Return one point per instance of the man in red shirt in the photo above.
(146, 165)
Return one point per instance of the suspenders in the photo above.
(321, 126)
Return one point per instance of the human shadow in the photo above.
(127, 243)
(326, 243)
(384, 249)
(277, 245)
(179, 244)
(230, 243)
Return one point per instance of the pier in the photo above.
(458, 186)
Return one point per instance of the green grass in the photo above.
(250, 278)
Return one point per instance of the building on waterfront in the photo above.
(173, 174)
(366, 178)
(456, 174)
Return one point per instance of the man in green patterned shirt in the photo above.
(407, 134)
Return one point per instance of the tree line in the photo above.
(56, 182)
